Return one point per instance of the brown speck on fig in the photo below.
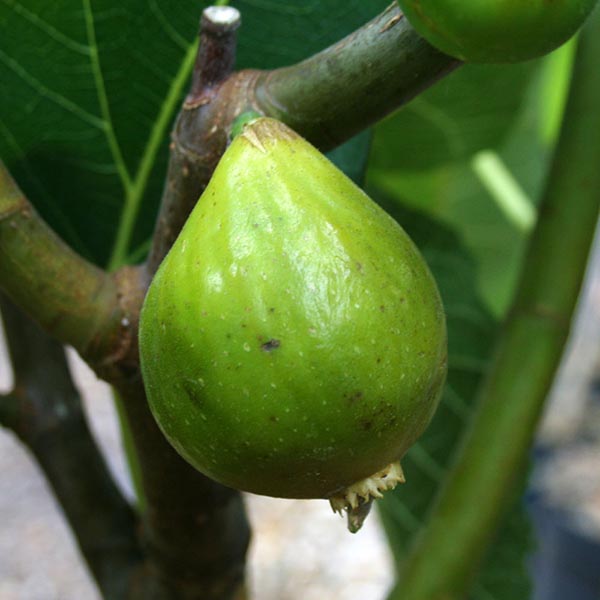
(270, 345)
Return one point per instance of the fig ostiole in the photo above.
(293, 341)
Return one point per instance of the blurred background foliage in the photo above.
(462, 168)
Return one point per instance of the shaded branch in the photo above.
(195, 531)
(203, 120)
(470, 507)
(9, 411)
(45, 412)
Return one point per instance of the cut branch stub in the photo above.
(216, 53)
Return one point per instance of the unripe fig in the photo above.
(496, 31)
(293, 341)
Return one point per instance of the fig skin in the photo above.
(496, 31)
(293, 341)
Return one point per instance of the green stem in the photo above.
(42, 275)
(468, 511)
(133, 461)
(347, 87)
(70, 298)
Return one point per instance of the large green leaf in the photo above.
(471, 333)
(89, 91)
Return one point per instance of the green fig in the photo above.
(496, 31)
(293, 341)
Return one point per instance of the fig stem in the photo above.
(216, 53)
(493, 457)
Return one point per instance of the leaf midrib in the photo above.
(133, 186)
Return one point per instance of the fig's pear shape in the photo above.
(293, 341)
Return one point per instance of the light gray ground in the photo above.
(300, 550)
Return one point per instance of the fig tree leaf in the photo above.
(470, 110)
(471, 333)
(90, 89)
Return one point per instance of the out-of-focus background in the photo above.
(300, 550)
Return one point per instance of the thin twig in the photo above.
(190, 170)
(216, 53)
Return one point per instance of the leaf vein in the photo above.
(46, 92)
(171, 32)
(103, 98)
(48, 29)
(35, 181)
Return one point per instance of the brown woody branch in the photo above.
(195, 531)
